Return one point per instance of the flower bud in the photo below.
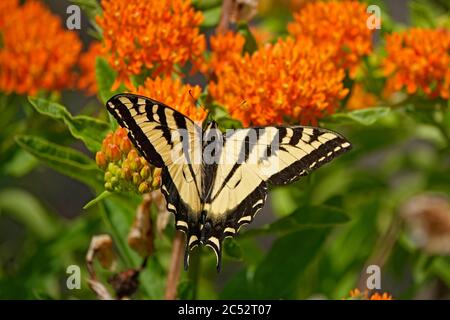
(115, 152)
(156, 178)
(126, 173)
(100, 159)
(136, 178)
(132, 155)
(143, 161)
(145, 172)
(111, 167)
(135, 164)
(107, 141)
(125, 145)
(144, 187)
(114, 181)
(119, 135)
(108, 176)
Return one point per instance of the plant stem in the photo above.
(227, 8)
(175, 266)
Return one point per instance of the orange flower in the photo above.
(377, 296)
(36, 55)
(151, 35)
(288, 80)
(419, 59)
(262, 35)
(225, 48)
(6, 7)
(176, 95)
(357, 295)
(339, 26)
(360, 98)
(87, 80)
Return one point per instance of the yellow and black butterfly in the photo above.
(216, 182)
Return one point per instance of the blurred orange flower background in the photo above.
(34, 57)
(157, 36)
(419, 59)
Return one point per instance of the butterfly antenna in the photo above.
(197, 104)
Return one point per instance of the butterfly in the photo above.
(216, 182)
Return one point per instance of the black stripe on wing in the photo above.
(325, 152)
(185, 220)
(123, 116)
(139, 106)
(213, 233)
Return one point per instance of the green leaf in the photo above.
(276, 276)
(364, 116)
(20, 164)
(106, 77)
(232, 249)
(119, 217)
(250, 45)
(441, 267)
(92, 8)
(98, 198)
(423, 15)
(185, 290)
(26, 209)
(90, 130)
(282, 201)
(240, 286)
(206, 4)
(65, 160)
(305, 217)
(211, 17)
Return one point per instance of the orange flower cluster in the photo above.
(35, 55)
(358, 295)
(124, 168)
(87, 80)
(290, 80)
(419, 59)
(261, 35)
(360, 98)
(339, 26)
(226, 48)
(151, 35)
(6, 6)
(175, 94)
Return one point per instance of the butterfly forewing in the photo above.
(166, 139)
